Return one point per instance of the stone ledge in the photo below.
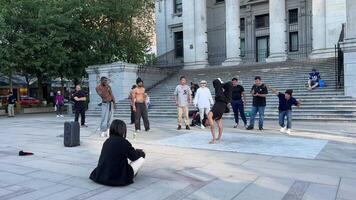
(38, 110)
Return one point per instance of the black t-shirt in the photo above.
(284, 104)
(236, 92)
(79, 94)
(11, 99)
(259, 101)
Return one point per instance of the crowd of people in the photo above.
(119, 161)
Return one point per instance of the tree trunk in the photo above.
(62, 85)
(10, 81)
(27, 84)
(40, 86)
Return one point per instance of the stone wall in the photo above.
(122, 76)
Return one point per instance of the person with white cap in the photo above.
(203, 100)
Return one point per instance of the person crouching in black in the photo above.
(223, 94)
(113, 168)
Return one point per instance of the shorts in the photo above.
(218, 110)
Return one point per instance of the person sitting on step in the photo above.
(314, 78)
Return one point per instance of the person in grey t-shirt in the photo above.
(183, 97)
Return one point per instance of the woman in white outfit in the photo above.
(203, 100)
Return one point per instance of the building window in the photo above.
(293, 16)
(220, 1)
(178, 44)
(293, 41)
(262, 48)
(262, 21)
(178, 7)
(242, 47)
(242, 24)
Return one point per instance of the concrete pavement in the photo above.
(172, 172)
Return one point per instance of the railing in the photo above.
(173, 58)
(255, 56)
(302, 51)
(339, 60)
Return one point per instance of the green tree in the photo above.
(59, 38)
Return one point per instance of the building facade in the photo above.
(198, 33)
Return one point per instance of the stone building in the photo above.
(198, 33)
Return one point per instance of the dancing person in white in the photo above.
(203, 100)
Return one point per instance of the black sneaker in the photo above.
(249, 128)
(179, 127)
(261, 128)
(187, 127)
(84, 125)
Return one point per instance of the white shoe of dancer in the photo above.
(202, 126)
(103, 134)
(289, 131)
(283, 129)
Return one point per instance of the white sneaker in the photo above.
(57, 116)
(236, 125)
(283, 129)
(202, 126)
(103, 134)
(61, 115)
(289, 131)
(134, 135)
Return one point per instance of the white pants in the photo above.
(137, 164)
(107, 115)
(10, 110)
(203, 111)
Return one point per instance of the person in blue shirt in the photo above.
(314, 78)
(286, 101)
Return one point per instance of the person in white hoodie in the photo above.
(203, 100)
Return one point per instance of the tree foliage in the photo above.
(59, 38)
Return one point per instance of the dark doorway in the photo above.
(178, 44)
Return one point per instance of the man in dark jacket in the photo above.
(11, 100)
(223, 94)
(113, 168)
(79, 98)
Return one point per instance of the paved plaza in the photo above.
(318, 162)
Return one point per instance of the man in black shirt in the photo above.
(79, 98)
(11, 100)
(237, 103)
(259, 92)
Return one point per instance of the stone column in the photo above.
(349, 48)
(188, 33)
(319, 28)
(201, 36)
(277, 29)
(232, 33)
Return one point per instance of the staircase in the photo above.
(326, 104)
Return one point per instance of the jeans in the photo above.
(59, 109)
(261, 112)
(282, 115)
(238, 106)
(107, 114)
(81, 111)
(141, 111)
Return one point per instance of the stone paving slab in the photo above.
(256, 144)
(170, 172)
